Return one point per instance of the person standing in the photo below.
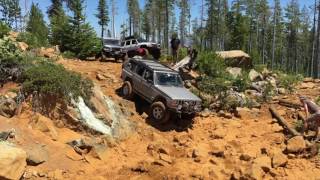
(175, 45)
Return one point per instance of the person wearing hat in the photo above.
(312, 121)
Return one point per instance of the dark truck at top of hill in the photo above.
(112, 49)
(140, 47)
(160, 86)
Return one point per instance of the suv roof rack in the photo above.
(155, 65)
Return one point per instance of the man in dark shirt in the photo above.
(175, 44)
(312, 121)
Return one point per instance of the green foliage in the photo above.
(36, 26)
(288, 81)
(31, 39)
(211, 65)
(241, 82)
(267, 93)
(83, 42)
(68, 55)
(183, 52)
(8, 49)
(58, 21)
(298, 125)
(214, 86)
(49, 79)
(102, 15)
(4, 29)
(76, 35)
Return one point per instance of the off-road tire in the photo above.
(159, 113)
(127, 90)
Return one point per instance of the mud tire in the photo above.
(159, 113)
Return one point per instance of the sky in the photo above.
(122, 14)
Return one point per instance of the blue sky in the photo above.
(122, 15)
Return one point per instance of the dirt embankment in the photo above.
(251, 146)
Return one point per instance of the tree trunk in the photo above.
(274, 37)
(317, 63)
(314, 40)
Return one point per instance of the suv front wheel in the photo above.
(159, 112)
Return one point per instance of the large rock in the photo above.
(279, 160)
(23, 46)
(307, 85)
(44, 125)
(234, 71)
(36, 155)
(296, 144)
(243, 113)
(254, 75)
(7, 107)
(12, 161)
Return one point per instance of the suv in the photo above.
(160, 86)
(132, 46)
(112, 49)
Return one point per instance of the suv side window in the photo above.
(134, 42)
(140, 70)
(127, 43)
(131, 65)
(148, 75)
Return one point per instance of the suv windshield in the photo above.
(111, 42)
(168, 79)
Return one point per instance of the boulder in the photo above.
(7, 107)
(23, 46)
(259, 86)
(307, 85)
(279, 160)
(36, 155)
(272, 81)
(308, 79)
(243, 113)
(205, 113)
(234, 71)
(44, 125)
(254, 75)
(296, 144)
(12, 161)
(282, 91)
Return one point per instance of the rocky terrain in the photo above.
(251, 145)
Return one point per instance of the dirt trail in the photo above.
(213, 148)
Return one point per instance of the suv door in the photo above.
(147, 84)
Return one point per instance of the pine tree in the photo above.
(183, 22)
(134, 17)
(58, 21)
(78, 36)
(36, 26)
(103, 16)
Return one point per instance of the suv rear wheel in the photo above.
(159, 112)
(127, 90)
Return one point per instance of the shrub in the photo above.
(289, 81)
(298, 125)
(49, 79)
(8, 49)
(31, 40)
(211, 65)
(183, 52)
(4, 29)
(68, 54)
(241, 83)
(214, 86)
